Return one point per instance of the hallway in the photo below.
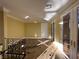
(32, 29)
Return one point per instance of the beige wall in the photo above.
(49, 29)
(13, 27)
(1, 25)
(35, 28)
(57, 28)
(16, 29)
(32, 29)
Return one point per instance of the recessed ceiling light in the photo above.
(26, 17)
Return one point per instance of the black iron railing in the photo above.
(15, 51)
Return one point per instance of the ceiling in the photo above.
(38, 10)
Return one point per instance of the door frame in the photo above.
(64, 14)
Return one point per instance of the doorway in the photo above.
(66, 34)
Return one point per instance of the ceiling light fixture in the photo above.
(48, 6)
(54, 5)
(26, 17)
